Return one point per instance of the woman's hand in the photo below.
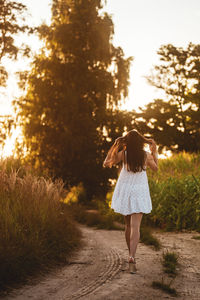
(152, 146)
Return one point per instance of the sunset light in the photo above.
(99, 129)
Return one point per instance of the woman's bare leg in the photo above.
(127, 230)
(135, 221)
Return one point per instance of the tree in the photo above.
(175, 123)
(74, 86)
(12, 21)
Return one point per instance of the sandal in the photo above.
(132, 265)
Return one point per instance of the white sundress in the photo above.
(131, 193)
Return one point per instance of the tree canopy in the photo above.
(76, 83)
(175, 123)
(12, 22)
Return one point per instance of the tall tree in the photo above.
(75, 83)
(176, 122)
(12, 22)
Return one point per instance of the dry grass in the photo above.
(35, 231)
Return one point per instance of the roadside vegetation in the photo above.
(169, 263)
(165, 287)
(36, 231)
(175, 192)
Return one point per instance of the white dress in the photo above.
(131, 193)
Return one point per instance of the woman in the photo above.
(131, 196)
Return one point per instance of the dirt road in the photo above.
(99, 271)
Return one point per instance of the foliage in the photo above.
(12, 23)
(147, 238)
(11, 20)
(175, 193)
(76, 194)
(93, 218)
(75, 83)
(35, 229)
(6, 124)
(170, 261)
(175, 123)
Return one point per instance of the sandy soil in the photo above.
(99, 271)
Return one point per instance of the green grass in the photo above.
(164, 287)
(196, 237)
(147, 238)
(36, 230)
(177, 166)
(170, 261)
(175, 193)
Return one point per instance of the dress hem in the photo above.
(134, 212)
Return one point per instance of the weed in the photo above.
(170, 261)
(147, 238)
(164, 287)
(196, 237)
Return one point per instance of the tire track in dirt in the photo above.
(90, 268)
(113, 266)
(99, 270)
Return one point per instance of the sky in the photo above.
(141, 27)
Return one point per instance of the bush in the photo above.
(35, 231)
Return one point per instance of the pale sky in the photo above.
(141, 27)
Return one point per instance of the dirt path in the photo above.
(100, 271)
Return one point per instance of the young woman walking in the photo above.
(131, 196)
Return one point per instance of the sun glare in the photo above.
(9, 147)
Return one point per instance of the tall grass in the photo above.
(175, 192)
(35, 230)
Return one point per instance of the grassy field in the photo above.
(175, 192)
(35, 230)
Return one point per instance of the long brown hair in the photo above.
(135, 155)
